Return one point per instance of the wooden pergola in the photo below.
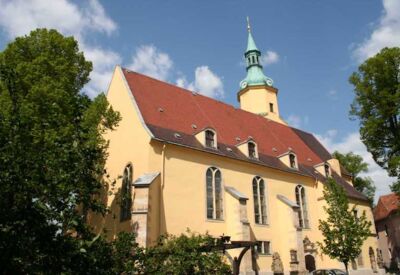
(224, 243)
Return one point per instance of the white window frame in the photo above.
(214, 170)
(262, 251)
(304, 220)
(263, 214)
(214, 138)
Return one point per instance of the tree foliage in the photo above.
(52, 154)
(185, 254)
(343, 232)
(355, 164)
(377, 106)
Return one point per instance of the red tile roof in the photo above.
(168, 109)
(386, 205)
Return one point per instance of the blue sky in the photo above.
(309, 48)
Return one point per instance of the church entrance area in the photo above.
(310, 263)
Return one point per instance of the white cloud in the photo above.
(270, 57)
(207, 83)
(333, 94)
(152, 62)
(352, 143)
(297, 121)
(103, 63)
(385, 34)
(19, 17)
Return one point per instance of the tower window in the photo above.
(271, 107)
(126, 194)
(210, 139)
(252, 59)
(214, 194)
(292, 161)
(327, 170)
(301, 201)
(252, 150)
(260, 208)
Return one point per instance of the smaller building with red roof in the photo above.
(387, 222)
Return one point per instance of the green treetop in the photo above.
(343, 231)
(377, 106)
(355, 164)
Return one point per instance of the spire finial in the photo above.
(248, 24)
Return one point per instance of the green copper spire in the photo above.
(251, 45)
(255, 75)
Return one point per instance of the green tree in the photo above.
(185, 254)
(355, 164)
(377, 106)
(343, 231)
(52, 155)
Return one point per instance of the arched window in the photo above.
(327, 170)
(252, 150)
(302, 202)
(214, 194)
(126, 193)
(210, 139)
(260, 207)
(292, 161)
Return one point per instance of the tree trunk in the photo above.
(346, 266)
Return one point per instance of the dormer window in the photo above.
(327, 170)
(252, 150)
(292, 161)
(210, 139)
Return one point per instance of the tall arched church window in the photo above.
(260, 205)
(126, 193)
(302, 202)
(214, 194)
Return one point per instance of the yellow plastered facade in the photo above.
(257, 99)
(176, 198)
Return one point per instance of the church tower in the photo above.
(257, 95)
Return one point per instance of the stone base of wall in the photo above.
(361, 271)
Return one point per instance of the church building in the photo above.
(182, 160)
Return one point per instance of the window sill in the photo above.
(265, 255)
(261, 224)
(215, 220)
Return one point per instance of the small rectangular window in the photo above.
(271, 107)
(252, 150)
(293, 256)
(292, 160)
(264, 247)
(210, 139)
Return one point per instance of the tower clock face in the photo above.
(243, 84)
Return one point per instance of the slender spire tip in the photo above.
(248, 24)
